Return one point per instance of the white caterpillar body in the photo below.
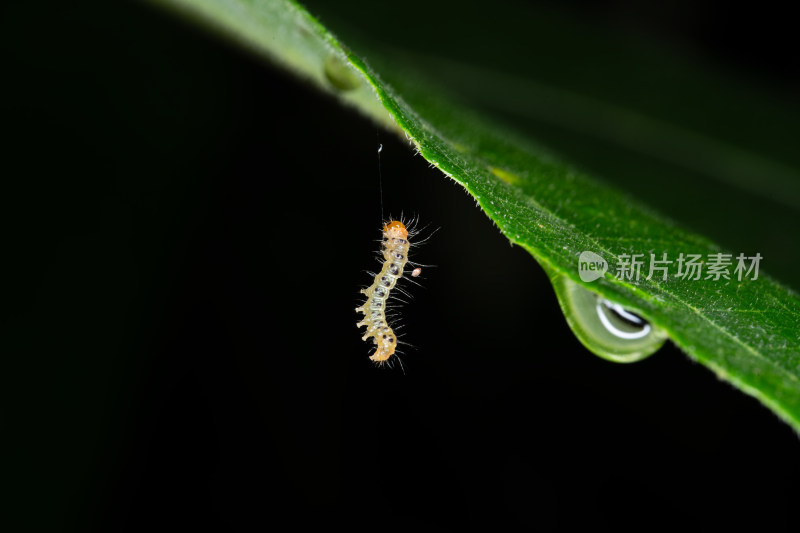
(395, 254)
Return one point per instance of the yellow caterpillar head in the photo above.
(396, 229)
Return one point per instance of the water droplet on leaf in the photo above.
(608, 329)
(340, 74)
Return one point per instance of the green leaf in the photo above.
(745, 331)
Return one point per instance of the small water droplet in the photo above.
(608, 329)
(340, 74)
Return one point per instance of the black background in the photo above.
(186, 231)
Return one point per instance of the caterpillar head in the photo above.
(395, 230)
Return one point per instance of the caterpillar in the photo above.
(395, 255)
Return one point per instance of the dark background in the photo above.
(186, 231)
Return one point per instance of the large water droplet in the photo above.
(606, 328)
